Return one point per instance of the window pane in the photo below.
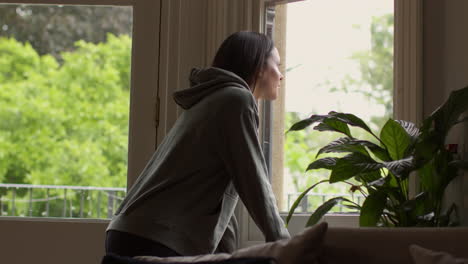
(64, 96)
(339, 57)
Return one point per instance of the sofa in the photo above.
(390, 245)
(322, 245)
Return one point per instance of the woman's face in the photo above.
(269, 79)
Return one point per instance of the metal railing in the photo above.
(313, 200)
(27, 200)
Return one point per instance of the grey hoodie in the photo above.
(186, 195)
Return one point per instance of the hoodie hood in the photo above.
(204, 82)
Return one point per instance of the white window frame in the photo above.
(408, 104)
(88, 234)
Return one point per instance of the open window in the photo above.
(336, 56)
(68, 74)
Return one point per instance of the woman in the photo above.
(183, 201)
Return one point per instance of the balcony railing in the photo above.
(24, 200)
(313, 200)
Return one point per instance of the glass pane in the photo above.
(339, 57)
(64, 96)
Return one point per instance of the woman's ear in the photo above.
(261, 72)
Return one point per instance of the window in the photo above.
(47, 234)
(407, 89)
(68, 76)
(65, 106)
(330, 64)
(168, 38)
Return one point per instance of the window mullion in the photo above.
(408, 63)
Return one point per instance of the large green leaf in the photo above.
(325, 163)
(344, 144)
(411, 129)
(448, 113)
(352, 165)
(427, 177)
(351, 120)
(442, 161)
(416, 206)
(368, 177)
(400, 167)
(426, 147)
(450, 217)
(335, 125)
(381, 181)
(372, 209)
(395, 138)
(306, 122)
(299, 199)
(379, 152)
(322, 210)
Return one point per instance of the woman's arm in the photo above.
(244, 161)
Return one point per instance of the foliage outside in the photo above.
(375, 83)
(64, 123)
(381, 168)
(52, 29)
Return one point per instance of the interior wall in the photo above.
(456, 77)
(433, 54)
(446, 69)
(70, 242)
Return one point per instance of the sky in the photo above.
(321, 36)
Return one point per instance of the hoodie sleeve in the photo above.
(244, 161)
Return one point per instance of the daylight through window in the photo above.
(64, 96)
(337, 56)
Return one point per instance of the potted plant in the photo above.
(380, 169)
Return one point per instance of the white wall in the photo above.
(456, 77)
(446, 69)
(71, 242)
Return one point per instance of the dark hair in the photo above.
(244, 53)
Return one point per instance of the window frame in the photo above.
(144, 81)
(45, 236)
(408, 105)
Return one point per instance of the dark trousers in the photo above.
(129, 245)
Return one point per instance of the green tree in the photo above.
(300, 148)
(375, 82)
(52, 29)
(64, 124)
(376, 68)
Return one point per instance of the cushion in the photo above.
(302, 248)
(422, 255)
(114, 259)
